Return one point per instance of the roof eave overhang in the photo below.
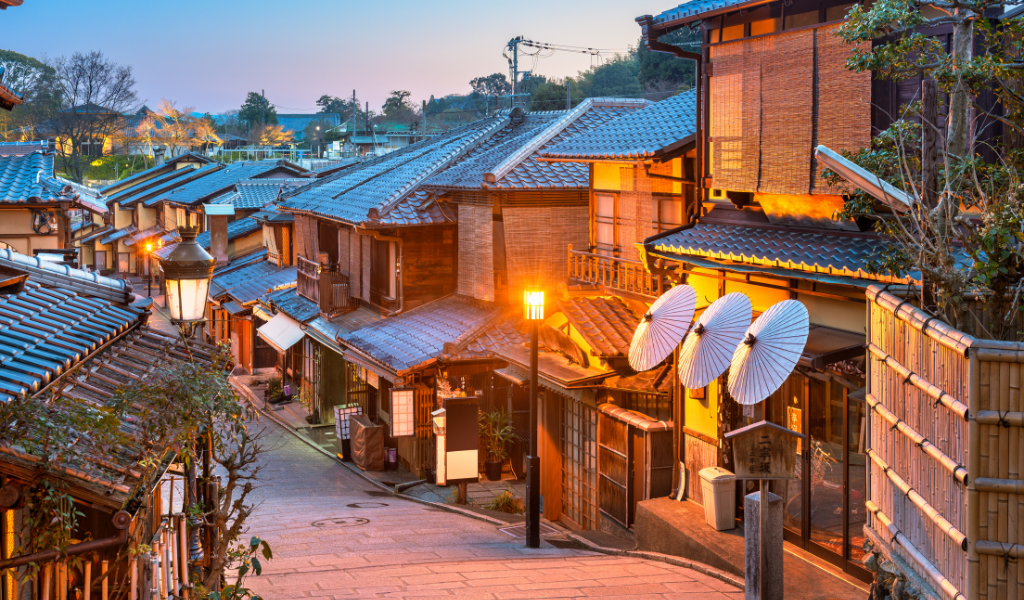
(658, 29)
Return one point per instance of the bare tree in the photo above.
(92, 95)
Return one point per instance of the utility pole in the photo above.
(424, 136)
(352, 138)
(513, 44)
(568, 94)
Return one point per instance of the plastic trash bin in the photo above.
(719, 489)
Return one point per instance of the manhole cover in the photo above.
(367, 505)
(377, 493)
(519, 531)
(340, 522)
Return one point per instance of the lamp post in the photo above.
(188, 270)
(533, 312)
(149, 269)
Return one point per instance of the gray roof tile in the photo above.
(410, 338)
(692, 9)
(292, 304)
(29, 177)
(221, 180)
(640, 134)
(257, 193)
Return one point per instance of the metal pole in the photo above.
(149, 270)
(568, 93)
(533, 462)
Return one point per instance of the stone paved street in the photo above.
(335, 536)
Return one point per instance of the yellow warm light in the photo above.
(149, 247)
(533, 305)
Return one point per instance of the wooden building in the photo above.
(83, 336)
(772, 86)
(37, 206)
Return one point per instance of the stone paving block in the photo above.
(623, 590)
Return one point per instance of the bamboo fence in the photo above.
(945, 491)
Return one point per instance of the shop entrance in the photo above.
(824, 506)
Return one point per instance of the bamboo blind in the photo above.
(844, 102)
(536, 240)
(635, 218)
(301, 235)
(344, 251)
(773, 99)
(919, 367)
(367, 258)
(476, 252)
(355, 266)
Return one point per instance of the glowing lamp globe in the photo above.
(533, 305)
(188, 270)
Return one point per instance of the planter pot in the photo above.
(492, 470)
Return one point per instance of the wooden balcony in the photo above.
(616, 275)
(326, 285)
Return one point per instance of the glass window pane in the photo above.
(802, 19)
(765, 26)
(604, 205)
(826, 429)
(732, 33)
(858, 475)
(671, 213)
(836, 13)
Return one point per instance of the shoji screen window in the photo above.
(667, 213)
(605, 223)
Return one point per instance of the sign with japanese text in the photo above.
(764, 451)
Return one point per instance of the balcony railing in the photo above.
(326, 285)
(616, 274)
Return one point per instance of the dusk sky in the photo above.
(208, 54)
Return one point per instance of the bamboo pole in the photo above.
(167, 543)
(183, 547)
(927, 387)
(161, 567)
(929, 511)
(46, 580)
(934, 574)
(105, 585)
(175, 557)
(61, 580)
(919, 440)
(87, 569)
(133, 582)
(974, 468)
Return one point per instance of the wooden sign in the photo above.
(764, 450)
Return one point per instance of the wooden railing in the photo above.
(326, 285)
(615, 274)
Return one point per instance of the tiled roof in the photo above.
(693, 9)
(508, 160)
(328, 331)
(30, 177)
(292, 304)
(43, 331)
(236, 229)
(141, 236)
(656, 380)
(384, 181)
(606, 323)
(257, 193)
(246, 284)
(418, 208)
(19, 148)
(51, 273)
(162, 184)
(95, 235)
(641, 134)
(411, 338)
(221, 181)
(169, 165)
(829, 252)
(118, 234)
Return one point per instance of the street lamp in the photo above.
(533, 312)
(188, 270)
(149, 269)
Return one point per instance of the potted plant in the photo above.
(496, 431)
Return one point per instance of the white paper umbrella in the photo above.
(768, 352)
(710, 345)
(662, 327)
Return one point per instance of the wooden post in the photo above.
(47, 575)
(105, 584)
(462, 487)
(88, 579)
(173, 543)
(61, 582)
(183, 541)
(168, 539)
(763, 558)
(133, 569)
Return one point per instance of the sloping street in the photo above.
(335, 536)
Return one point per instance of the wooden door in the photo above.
(99, 261)
(614, 462)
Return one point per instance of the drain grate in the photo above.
(340, 522)
(366, 505)
(564, 544)
(378, 493)
(519, 531)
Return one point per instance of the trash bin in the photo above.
(719, 489)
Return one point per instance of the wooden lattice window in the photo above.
(579, 463)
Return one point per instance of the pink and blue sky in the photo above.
(209, 53)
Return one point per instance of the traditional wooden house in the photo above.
(82, 336)
(37, 206)
(156, 201)
(772, 86)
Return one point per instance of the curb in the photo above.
(654, 556)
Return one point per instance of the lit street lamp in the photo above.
(188, 270)
(533, 312)
(149, 269)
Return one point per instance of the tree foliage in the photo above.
(177, 129)
(495, 84)
(966, 241)
(257, 111)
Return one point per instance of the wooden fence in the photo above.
(945, 491)
(617, 275)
